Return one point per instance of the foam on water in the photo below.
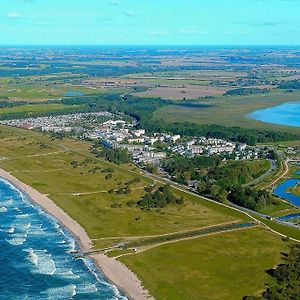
(16, 241)
(36, 256)
(11, 230)
(3, 209)
(65, 292)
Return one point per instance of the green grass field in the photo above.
(211, 265)
(34, 109)
(229, 111)
(41, 88)
(223, 266)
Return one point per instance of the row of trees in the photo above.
(246, 92)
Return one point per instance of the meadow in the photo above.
(228, 111)
(32, 109)
(204, 266)
(224, 266)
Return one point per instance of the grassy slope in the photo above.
(223, 266)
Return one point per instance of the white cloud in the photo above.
(14, 15)
(115, 2)
(188, 31)
(129, 13)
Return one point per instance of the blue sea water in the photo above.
(35, 256)
(284, 114)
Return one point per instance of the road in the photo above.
(271, 170)
(250, 213)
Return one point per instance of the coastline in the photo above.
(114, 270)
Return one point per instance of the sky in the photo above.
(149, 22)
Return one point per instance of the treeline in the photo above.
(235, 134)
(286, 279)
(246, 92)
(7, 104)
(159, 198)
(290, 85)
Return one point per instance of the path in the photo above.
(269, 172)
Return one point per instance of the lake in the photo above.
(284, 114)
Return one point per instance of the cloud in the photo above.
(115, 2)
(13, 15)
(261, 24)
(129, 13)
(188, 31)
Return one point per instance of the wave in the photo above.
(11, 230)
(87, 289)
(32, 257)
(22, 216)
(3, 209)
(64, 292)
(17, 241)
(8, 203)
(43, 262)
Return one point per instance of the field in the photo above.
(224, 266)
(197, 250)
(34, 109)
(89, 196)
(180, 92)
(229, 111)
(92, 199)
(41, 88)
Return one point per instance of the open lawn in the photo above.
(223, 266)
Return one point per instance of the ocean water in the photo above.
(284, 114)
(35, 256)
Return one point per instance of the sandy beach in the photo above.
(115, 271)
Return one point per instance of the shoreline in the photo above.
(116, 272)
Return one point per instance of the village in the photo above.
(117, 131)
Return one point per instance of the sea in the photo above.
(37, 256)
(285, 114)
